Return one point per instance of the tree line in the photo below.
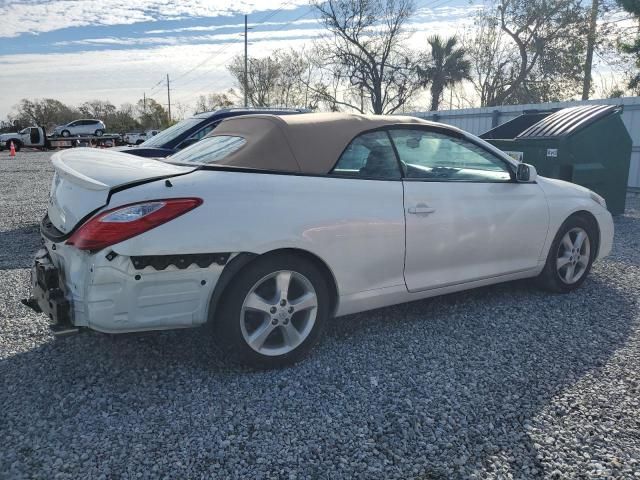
(48, 112)
(516, 51)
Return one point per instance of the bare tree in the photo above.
(215, 101)
(536, 27)
(99, 109)
(262, 79)
(367, 54)
(631, 45)
(286, 78)
(528, 51)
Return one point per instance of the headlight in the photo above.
(598, 199)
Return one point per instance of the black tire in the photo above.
(99, 133)
(228, 330)
(550, 278)
(65, 133)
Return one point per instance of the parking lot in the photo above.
(499, 382)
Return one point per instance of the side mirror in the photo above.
(526, 173)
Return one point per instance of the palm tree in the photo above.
(446, 67)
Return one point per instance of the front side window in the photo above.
(209, 150)
(370, 156)
(435, 156)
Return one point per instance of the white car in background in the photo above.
(138, 138)
(272, 224)
(81, 127)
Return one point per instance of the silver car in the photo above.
(81, 127)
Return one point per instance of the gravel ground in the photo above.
(499, 382)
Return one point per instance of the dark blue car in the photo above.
(190, 130)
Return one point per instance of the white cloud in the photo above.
(211, 28)
(19, 16)
(123, 75)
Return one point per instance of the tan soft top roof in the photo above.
(304, 143)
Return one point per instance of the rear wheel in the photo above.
(66, 133)
(570, 256)
(99, 133)
(274, 311)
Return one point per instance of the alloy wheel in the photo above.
(574, 254)
(278, 313)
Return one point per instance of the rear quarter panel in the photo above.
(355, 226)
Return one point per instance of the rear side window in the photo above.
(209, 150)
(369, 156)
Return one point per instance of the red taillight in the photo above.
(122, 223)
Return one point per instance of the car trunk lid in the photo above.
(84, 178)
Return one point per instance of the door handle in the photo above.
(421, 209)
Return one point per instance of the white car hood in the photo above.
(85, 176)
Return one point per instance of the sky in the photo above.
(118, 50)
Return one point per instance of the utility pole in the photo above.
(144, 102)
(591, 45)
(169, 97)
(246, 62)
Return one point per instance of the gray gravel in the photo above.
(499, 382)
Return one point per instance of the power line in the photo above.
(267, 17)
(208, 70)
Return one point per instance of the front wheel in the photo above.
(274, 311)
(66, 133)
(99, 133)
(570, 256)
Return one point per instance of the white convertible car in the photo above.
(273, 224)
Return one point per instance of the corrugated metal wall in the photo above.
(479, 120)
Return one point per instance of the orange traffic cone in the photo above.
(12, 150)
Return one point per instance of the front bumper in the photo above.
(605, 223)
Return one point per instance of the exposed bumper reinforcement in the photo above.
(47, 295)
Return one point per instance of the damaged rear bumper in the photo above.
(114, 293)
(48, 294)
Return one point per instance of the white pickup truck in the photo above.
(36, 137)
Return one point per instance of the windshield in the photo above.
(208, 150)
(170, 133)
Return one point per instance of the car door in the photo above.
(73, 127)
(367, 243)
(466, 217)
(89, 127)
(33, 137)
